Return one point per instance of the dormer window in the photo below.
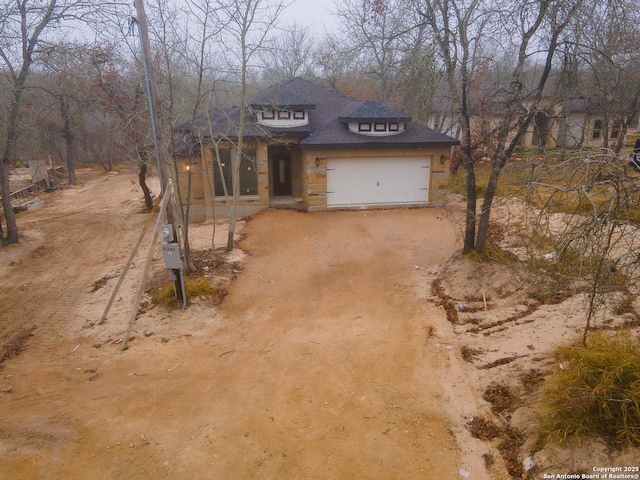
(379, 128)
(282, 117)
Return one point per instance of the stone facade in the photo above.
(308, 177)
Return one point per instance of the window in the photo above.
(298, 115)
(364, 127)
(284, 115)
(225, 163)
(380, 127)
(597, 129)
(247, 171)
(394, 127)
(268, 115)
(615, 131)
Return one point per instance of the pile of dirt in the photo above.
(507, 338)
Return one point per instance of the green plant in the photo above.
(595, 391)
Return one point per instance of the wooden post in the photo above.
(147, 264)
(126, 267)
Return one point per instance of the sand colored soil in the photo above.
(316, 365)
(349, 345)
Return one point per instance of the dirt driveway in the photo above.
(316, 365)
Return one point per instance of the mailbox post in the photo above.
(171, 254)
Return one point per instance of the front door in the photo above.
(281, 164)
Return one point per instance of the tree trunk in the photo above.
(69, 140)
(142, 180)
(5, 194)
(187, 212)
(71, 163)
(470, 183)
(8, 159)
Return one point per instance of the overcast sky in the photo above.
(314, 14)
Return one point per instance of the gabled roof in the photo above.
(327, 122)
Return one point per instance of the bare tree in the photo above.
(25, 26)
(248, 24)
(604, 65)
(462, 32)
(589, 217)
(288, 55)
(372, 33)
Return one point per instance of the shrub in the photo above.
(194, 287)
(596, 391)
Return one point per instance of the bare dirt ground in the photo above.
(318, 363)
(350, 345)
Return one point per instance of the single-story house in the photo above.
(312, 148)
(570, 123)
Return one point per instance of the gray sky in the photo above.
(313, 14)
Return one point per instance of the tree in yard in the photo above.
(190, 52)
(248, 23)
(28, 27)
(603, 64)
(117, 127)
(373, 32)
(464, 33)
(288, 55)
(67, 82)
(593, 230)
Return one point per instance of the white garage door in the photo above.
(377, 180)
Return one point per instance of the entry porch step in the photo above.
(287, 202)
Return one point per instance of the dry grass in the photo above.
(595, 391)
(194, 287)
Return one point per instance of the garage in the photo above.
(377, 180)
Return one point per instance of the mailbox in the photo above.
(171, 252)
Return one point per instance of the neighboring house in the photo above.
(311, 148)
(581, 125)
(571, 123)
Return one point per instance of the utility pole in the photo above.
(156, 124)
(174, 212)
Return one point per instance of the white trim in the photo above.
(283, 123)
(355, 128)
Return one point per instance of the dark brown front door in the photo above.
(281, 164)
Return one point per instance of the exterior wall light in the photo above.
(442, 158)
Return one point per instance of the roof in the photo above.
(370, 110)
(327, 123)
(275, 97)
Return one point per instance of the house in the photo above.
(557, 123)
(309, 147)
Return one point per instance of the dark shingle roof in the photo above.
(274, 97)
(327, 122)
(370, 110)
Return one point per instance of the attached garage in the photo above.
(377, 180)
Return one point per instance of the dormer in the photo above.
(373, 119)
(281, 110)
(282, 116)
